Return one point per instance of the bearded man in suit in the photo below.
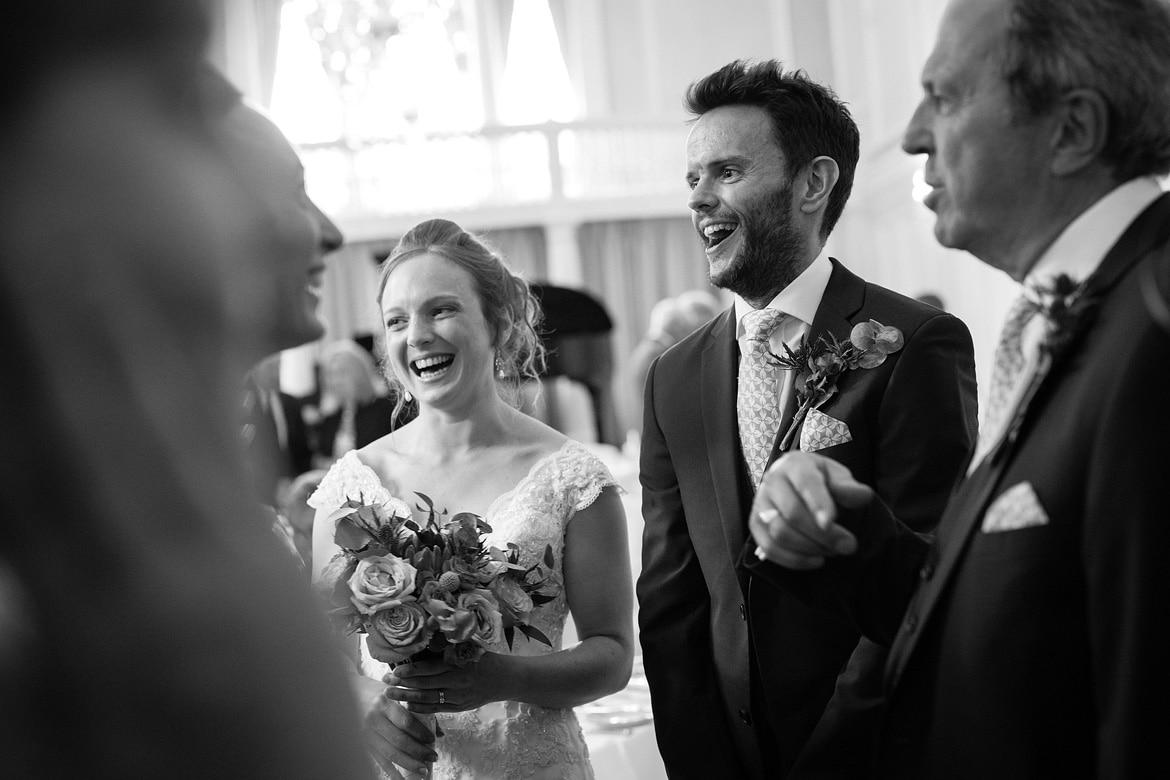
(1028, 640)
(740, 676)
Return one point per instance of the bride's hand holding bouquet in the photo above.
(430, 598)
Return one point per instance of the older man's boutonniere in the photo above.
(1063, 308)
(820, 364)
(1062, 312)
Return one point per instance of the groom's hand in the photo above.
(794, 516)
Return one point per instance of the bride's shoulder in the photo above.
(570, 465)
(349, 477)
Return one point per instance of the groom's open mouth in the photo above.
(432, 366)
(715, 233)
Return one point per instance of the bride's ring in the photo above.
(442, 697)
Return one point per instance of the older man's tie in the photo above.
(1015, 363)
(758, 398)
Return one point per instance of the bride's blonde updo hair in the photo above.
(504, 296)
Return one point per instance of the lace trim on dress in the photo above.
(532, 741)
(348, 478)
(572, 469)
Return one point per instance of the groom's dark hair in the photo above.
(808, 119)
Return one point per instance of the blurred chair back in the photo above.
(577, 335)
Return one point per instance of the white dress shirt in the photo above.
(799, 301)
(1085, 242)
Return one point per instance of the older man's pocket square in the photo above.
(820, 431)
(1017, 507)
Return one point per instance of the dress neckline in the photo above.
(493, 507)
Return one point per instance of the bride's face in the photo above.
(437, 339)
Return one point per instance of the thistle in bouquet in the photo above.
(430, 590)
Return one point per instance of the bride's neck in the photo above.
(447, 436)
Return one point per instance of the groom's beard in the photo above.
(769, 257)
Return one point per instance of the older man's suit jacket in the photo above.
(733, 666)
(1034, 641)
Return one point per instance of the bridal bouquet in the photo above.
(433, 589)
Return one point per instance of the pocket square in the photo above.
(1017, 507)
(820, 431)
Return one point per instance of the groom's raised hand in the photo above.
(794, 516)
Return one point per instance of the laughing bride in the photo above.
(460, 338)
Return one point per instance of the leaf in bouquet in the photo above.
(509, 635)
(427, 505)
(541, 598)
(549, 561)
(534, 633)
(424, 560)
(351, 534)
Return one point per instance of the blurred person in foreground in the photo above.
(735, 667)
(1029, 640)
(461, 337)
(149, 624)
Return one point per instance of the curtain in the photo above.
(244, 41)
(631, 265)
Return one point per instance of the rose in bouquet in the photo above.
(434, 589)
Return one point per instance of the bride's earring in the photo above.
(406, 394)
(499, 364)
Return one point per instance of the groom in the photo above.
(741, 677)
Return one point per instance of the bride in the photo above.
(460, 333)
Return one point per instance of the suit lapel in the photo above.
(1150, 230)
(843, 298)
(718, 376)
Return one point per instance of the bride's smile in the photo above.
(438, 341)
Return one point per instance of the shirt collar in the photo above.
(1084, 243)
(800, 299)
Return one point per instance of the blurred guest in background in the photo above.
(355, 406)
(670, 320)
(275, 439)
(131, 294)
(735, 667)
(932, 299)
(667, 325)
(699, 307)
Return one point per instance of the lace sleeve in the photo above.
(348, 478)
(585, 476)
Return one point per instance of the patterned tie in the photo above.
(1007, 376)
(758, 399)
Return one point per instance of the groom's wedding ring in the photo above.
(442, 697)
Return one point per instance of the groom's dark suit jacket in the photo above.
(1034, 643)
(740, 674)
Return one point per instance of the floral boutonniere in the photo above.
(820, 364)
(1064, 312)
(1064, 309)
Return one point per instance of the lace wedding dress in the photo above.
(506, 739)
